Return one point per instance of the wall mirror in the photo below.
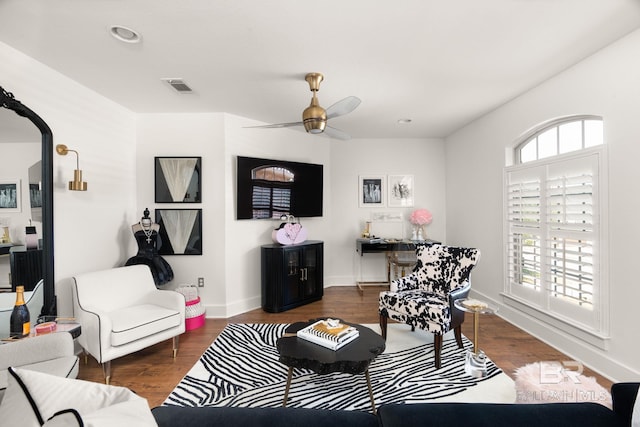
(26, 144)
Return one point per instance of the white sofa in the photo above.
(121, 311)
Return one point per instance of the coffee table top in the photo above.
(353, 358)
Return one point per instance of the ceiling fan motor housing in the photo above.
(314, 117)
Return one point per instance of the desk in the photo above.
(365, 246)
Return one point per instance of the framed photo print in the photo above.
(401, 191)
(178, 179)
(10, 196)
(371, 191)
(180, 231)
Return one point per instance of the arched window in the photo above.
(568, 135)
(271, 191)
(554, 227)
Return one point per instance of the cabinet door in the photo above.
(312, 265)
(293, 274)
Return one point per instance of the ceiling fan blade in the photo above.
(332, 132)
(277, 125)
(343, 107)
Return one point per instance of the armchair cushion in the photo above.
(133, 323)
(427, 311)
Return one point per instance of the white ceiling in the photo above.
(441, 63)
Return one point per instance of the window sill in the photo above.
(586, 335)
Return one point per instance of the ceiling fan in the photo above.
(314, 117)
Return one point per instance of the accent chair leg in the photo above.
(85, 353)
(437, 344)
(383, 325)
(457, 331)
(106, 369)
(176, 343)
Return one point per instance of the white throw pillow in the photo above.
(33, 398)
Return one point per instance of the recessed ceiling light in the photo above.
(125, 34)
(404, 121)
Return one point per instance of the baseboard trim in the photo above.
(596, 359)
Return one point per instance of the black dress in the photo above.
(148, 255)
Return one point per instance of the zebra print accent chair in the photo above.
(424, 298)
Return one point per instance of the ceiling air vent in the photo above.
(178, 85)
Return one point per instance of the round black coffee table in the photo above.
(353, 358)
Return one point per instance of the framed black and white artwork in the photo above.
(10, 196)
(371, 191)
(400, 191)
(178, 179)
(180, 231)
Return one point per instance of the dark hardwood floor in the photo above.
(153, 373)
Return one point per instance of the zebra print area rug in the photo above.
(241, 368)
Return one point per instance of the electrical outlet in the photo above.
(201, 282)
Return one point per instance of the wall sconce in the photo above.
(77, 184)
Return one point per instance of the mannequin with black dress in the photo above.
(146, 235)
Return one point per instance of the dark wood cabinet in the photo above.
(291, 275)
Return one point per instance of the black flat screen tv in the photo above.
(269, 188)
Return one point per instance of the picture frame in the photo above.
(180, 231)
(371, 191)
(401, 191)
(10, 196)
(178, 179)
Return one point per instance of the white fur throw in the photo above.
(553, 382)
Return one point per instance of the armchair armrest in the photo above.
(95, 324)
(624, 397)
(457, 315)
(168, 299)
(36, 349)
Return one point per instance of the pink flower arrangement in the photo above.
(420, 217)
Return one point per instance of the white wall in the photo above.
(230, 262)
(605, 84)
(89, 227)
(424, 159)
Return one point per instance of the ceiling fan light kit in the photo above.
(314, 117)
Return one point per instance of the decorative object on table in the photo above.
(77, 184)
(146, 234)
(366, 233)
(31, 237)
(425, 299)
(10, 196)
(178, 179)
(401, 191)
(194, 314)
(20, 323)
(5, 237)
(290, 232)
(419, 218)
(371, 191)
(329, 333)
(180, 231)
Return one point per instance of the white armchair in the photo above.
(121, 311)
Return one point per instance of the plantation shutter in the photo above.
(552, 236)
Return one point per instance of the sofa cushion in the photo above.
(33, 398)
(136, 322)
(496, 414)
(170, 416)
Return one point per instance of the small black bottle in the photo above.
(20, 326)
